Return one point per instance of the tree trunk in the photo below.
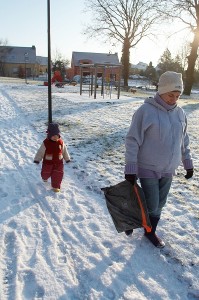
(191, 65)
(125, 61)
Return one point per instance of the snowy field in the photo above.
(64, 246)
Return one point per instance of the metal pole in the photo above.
(95, 84)
(49, 67)
(91, 81)
(119, 82)
(81, 81)
(102, 89)
(26, 59)
(25, 72)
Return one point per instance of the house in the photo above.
(105, 63)
(140, 66)
(41, 65)
(17, 61)
(21, 62)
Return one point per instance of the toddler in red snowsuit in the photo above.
(52, 151)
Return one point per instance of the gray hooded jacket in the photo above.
(157, 139)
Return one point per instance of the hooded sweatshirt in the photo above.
(157, 139)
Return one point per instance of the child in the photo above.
(52, 152)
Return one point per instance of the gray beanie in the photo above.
(53, 129)
(170, 81)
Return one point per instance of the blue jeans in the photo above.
(156, 192)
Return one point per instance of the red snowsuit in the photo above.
(52, 153)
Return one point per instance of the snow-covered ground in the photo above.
(64, 246)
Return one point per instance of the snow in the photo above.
(64, 245)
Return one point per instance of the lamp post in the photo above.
(26, 59)
(49, 67)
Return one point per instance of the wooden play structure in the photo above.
(110, 75)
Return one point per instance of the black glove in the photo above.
(131, 178)
(36, 162)
(189, 173)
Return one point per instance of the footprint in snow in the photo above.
(31, 289)
(12, 224)
(107, 244)
(3, 194)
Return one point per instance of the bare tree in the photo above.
(122, 21)
(58, 56)
(3, 52)
(59, 63)
(187, 11)
(3, 42)
(183, 54)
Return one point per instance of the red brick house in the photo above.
(105, 63)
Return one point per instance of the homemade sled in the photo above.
(127, 207)
(60, 84)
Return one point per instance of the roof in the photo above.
(12, 54)
(42, 60)
(92, 58)
(140, 66)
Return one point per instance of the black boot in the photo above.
(151, 236)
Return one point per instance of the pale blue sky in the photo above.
(24, 23)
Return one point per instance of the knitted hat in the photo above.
(53, 129)
(169, 82)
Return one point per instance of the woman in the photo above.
(156, 143)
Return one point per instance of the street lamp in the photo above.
(26, 59)
(49, 67)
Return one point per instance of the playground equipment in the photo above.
(110, 75)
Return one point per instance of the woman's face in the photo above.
(171, 97)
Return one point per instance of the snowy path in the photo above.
(63, 246)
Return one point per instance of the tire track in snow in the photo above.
(52, 223)
(65, 242)
(52, 228)
(10, 265)
(50, 218)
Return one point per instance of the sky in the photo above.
(64, 246)
(24, 23)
